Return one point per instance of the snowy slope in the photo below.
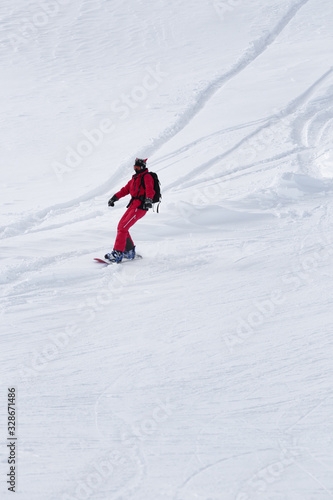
(203, 371)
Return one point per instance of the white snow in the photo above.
(204, 370)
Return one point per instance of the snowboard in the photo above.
(108, 262)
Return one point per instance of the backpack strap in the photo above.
(142, 197)
(158, 207)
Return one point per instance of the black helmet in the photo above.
(140, 164)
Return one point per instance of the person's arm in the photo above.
(149, 185)
(123, 192)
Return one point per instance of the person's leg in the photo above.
(130, 217)
(129, 243)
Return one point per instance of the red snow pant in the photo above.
(123, 239)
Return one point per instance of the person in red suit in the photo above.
(142, 194)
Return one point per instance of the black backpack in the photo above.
(157, 188)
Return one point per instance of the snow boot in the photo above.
(130, 254)
(114, 256)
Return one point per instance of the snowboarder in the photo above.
(142, 200)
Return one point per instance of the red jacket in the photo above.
(135, 188)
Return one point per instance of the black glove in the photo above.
(112, 201)
(148, 203)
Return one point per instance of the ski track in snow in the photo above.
(258, 47)
(292, 108)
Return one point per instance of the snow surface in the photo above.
(203, 371)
